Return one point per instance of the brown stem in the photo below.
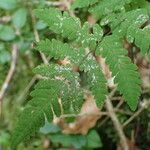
(116, 122)
(144, 105)
(36, 35)
(9, 75)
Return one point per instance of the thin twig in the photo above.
(44, 59)
(5, 19)
(36, 35)
(119, 104)
(55, 4)
(67, 3)
(116, 122)
(123, 112)
(83, 114)
(144, 105)
(9, 75)
(28, 87)
(119, 98)
(51, 3)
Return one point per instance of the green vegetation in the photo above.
(70, 65)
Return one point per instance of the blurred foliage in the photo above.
(16, 26)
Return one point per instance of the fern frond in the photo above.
(107, 7)
(139, 4)
(58, 50)
(60, 23)
(95, 79)
(83, 3)
(129, 25)
(69, 90)
(140, 37)
(60, 90)
(59, 83)
(125, 73)
(88, 39)
(31, 119)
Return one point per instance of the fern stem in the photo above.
(116, 122)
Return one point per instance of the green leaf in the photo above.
(59, 23)
(49, 128)
(96, 80)
(107, 7)
(72, 100)
(19, 17)
(7, 33)
(83, 3)
(40, 25)
(8, 4)
(78, 141)
(58, 50)
(30, 121)
(126, 75)
(4, 57)
(134, 35)
(93, 140)
(4, 138)
(128, 24)
(87, 39)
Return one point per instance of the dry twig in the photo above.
(5, 19)
(116, 122)
(36, 35)
(144, 105)
(9, 75)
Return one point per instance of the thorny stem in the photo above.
(116, 122)
(9, 75)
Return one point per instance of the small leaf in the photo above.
(78, 141)
(7, 33)
(19, 18)
(93, 140)
(2, 46)
(49, 128)
(4, 138)
(83, 3)
(4, 57)
(7, 4)
(40, 25)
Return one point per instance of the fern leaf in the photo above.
(81, 3)
(125, 73)
(69, 90)
(95, 79)
(60, 91)
(140, 4)
(129, 25)
(59, 23)
(140, 37)
(59, 50)
(87, 39)
(31, 119)
(59, 82)
(107, 7)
